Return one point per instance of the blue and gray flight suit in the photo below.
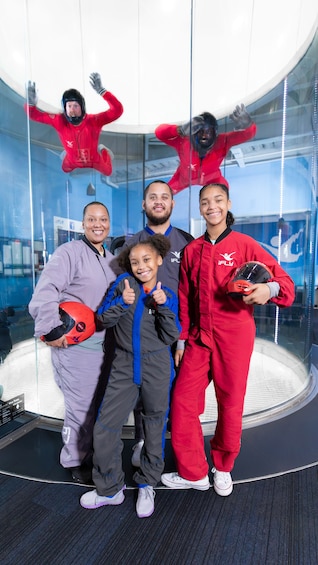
(168, 275)
(144, 332)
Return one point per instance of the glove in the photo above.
(241, 117)
(192, 127)
(32, 97)
(96, 83)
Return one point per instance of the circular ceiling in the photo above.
(163, 59)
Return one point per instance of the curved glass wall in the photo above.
(273, 186)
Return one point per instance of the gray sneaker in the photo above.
(146, 502)
(93, 500)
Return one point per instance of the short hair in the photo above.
(160, 243)
(92, 204)
(159, 181)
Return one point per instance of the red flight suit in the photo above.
(220, 332)
(81, 141)
(192, 168)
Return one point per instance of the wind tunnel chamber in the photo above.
(272, 176)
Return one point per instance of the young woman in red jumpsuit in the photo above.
(219, 333)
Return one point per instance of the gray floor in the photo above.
(268, 522)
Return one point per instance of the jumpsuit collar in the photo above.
(222, 236)
(84, 238)
(151, 232)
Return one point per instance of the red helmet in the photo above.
(78, 321)
(252, 272)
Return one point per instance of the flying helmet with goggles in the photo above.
(252, 272)
(73, 95)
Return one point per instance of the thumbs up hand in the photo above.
(159, 295)
(128, 293)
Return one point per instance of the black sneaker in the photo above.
(82, 475)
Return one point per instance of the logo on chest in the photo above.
(176, 255)
(227, 260)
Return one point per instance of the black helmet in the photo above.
(252, 272)
(205, 136)
(210, 121)
(74, 95)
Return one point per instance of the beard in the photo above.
(158, 221)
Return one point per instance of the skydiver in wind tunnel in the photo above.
(78, 131)
(201, 149)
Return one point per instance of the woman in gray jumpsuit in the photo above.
(145, 321)
(77, 271)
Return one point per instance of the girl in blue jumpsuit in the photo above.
(145, 321)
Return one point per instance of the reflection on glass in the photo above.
(42, 205)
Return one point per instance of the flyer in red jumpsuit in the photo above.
(201, 149)
(79, 135)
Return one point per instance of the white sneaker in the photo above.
(135, 460)
(93, 500)
(146, 502)
(222, 482)
(173, 480)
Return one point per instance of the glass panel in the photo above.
(272, 180)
